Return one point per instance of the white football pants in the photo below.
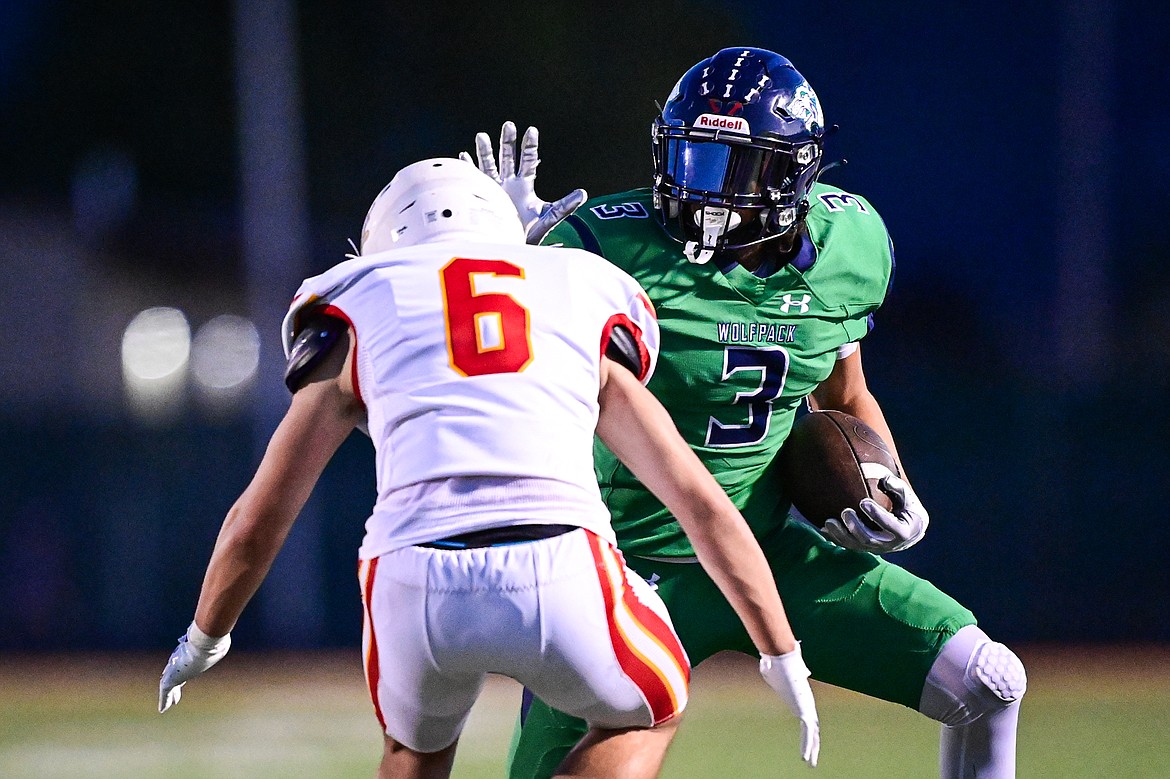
(563, 616)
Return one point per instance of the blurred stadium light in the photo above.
(225, 356)
(156, 347)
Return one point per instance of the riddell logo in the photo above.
(735, 124)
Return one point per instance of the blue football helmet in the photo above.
(736, 150)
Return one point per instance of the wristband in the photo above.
(201, 640)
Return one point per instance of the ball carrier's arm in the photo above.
(847, 390)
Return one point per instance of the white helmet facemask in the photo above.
(439, 199)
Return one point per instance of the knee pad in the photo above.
(1000, 671)
(972, 676)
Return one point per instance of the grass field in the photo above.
(1099, 713)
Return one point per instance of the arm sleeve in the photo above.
(625, 349)
(844, 350)
(318, 335)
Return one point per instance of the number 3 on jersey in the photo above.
(487, 332)
(772, 366)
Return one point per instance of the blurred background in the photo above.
(169, 172)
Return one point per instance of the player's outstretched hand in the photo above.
(519, 180)
(788, 676)
(195, 653)
(899, 529)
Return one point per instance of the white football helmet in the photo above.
(437, 199)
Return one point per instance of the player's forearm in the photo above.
(253, 532)
(318, 420)
(727, 550)
(865, 407)
(731, 556)
(725, 547)
(847, 390)
(643, 436)
(244, 552)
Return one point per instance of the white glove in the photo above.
(899, 529)
(788, 676)
(538, 216)
(196, 652)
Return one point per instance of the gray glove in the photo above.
(196, 652)
(788, 676)
(899, 529)
(538, 216)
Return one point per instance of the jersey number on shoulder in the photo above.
(634, 210)
(836, 201)
(487, 332)
(772, 366)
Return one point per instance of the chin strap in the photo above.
(702, 257)
(714, 221)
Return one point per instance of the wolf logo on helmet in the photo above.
(805, 107)
(734, 183)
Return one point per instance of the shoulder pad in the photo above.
(315, 339)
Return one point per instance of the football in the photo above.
(820, 465)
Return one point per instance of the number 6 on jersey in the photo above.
(487, 332)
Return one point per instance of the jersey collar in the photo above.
(806, 255)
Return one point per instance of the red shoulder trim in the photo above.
(332, 310)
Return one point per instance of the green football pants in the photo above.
(864, 624)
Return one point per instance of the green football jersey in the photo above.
(738, 352)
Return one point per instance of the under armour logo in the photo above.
(800, 305)
(653, 581)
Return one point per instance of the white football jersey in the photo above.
(480, 360)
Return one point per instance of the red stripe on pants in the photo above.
(646, 676)
(372, 674)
